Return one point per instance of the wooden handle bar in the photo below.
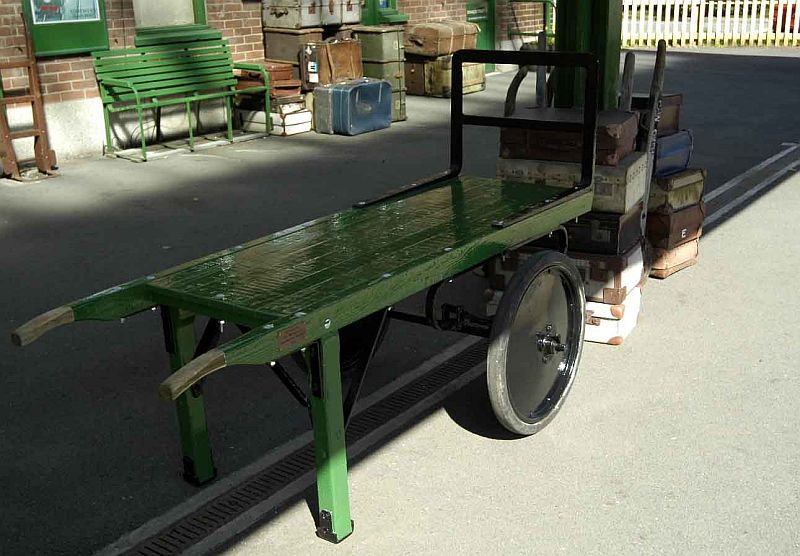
(185, 377)
(34, 328)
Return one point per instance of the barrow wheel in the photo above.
(536, 342)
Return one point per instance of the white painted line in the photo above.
(219, 487)
(722, 211)
(755, 169)
(257, 513)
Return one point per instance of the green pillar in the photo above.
(586, 26)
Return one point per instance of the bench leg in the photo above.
(229, 112)
(109, 146)
(141, 134)
(329, 440)
(198, 464)
(191, 132)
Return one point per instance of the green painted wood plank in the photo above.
(162, 59)
(334, 257)
(156, 48)
(126, 95)
(185, 66)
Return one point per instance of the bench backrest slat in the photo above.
(165, 70)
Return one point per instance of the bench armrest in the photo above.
(120, 83)
(253, 67)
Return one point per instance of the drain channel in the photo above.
(198, 525)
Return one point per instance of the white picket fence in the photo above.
(711, 23)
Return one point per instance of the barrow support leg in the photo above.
(198, 464)
(329, 441)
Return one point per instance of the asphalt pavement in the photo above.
(682, 440)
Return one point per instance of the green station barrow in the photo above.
(323, 291)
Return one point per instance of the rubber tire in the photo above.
(503, 321)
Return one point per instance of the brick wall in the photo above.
(240, 23)
(72, 77)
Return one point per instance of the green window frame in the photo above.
(56, 37)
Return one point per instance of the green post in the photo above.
(198, 464)
(573, 30)
(585, 26)
(329, 440)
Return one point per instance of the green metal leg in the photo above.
(191, 132)
(198, 464)
(229, 112)
(268, 109)
(329, 440)
(107, 118)
(141, 134)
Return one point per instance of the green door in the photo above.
(482, 13)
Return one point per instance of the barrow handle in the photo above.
(34, 328)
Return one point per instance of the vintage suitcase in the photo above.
(617, 189)
(398, 106)
(673, 153)
(285, 88)
(611, 324)
(609, 278)
(433, 78)
(380, 43)
(278, 71)
(291, 124)
(670, 111)
(393, 72)
(440, 38)
(606, 233)
(666, 231)
(336, 12)
(676, 191)
(291, 14)
(669, 261)
(352, 108)
(324, 63)
(284, 45)
(616, 137)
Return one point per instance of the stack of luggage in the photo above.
(607, 243)
(429, 49)
(675, 207)
(383, 56)
(321, 44)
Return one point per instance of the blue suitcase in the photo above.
(673, 153)
(361, 105)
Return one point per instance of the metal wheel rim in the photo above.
(537, 373)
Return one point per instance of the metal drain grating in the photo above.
(198, 525)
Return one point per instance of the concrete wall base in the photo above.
(75, 128)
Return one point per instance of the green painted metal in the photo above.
(199, 7)
(185, 73)
(329, 440)
(198, 464)
(482, 12)
(585, 26)
(378, 12)
(573, 34)
(55, 38)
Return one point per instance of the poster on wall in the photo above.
(64, 11)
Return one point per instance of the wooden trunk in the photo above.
(440, 38)
(616, 137)
(617, 189)
(666, 231)
(291, 14)
(326, 63)
(677, 191)
(667, 262)
(611, 324)
(606, 233)
(433, 78)
(380, 43)
(284, 45)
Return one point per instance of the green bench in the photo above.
(173, 74)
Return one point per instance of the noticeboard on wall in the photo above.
(60, 27)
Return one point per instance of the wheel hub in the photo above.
(549, 343)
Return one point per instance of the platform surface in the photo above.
(312, 265)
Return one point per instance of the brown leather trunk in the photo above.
(669, 261)
(670, 111)
(606, 233)
(666, 231)
(616, 137)
(325, 63)
(440, 38)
